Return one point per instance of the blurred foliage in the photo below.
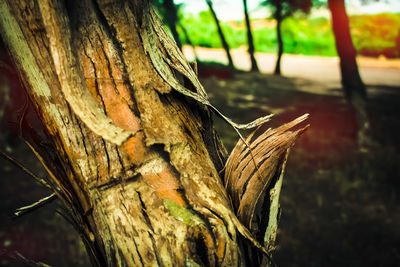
(373, 35)
(300, 36)
(162, 10)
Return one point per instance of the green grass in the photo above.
(373, 35)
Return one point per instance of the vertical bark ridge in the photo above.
(145, 96)
(185, 201)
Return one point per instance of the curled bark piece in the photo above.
(157, 199)
(248, 183)
(176, 59)
(175, 56)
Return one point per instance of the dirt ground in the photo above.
(340, 204)
(374, 71)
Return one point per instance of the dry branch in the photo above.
(253, 178)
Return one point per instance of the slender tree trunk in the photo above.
(172, 20)
(279, 18)
(353, 86)
(250, 41)
(189, 41)
(134, 162)
(221, 34)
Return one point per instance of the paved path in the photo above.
(324, 70)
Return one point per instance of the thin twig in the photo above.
(24, 169)
(23, 111)
(34, 206)
(15, 255)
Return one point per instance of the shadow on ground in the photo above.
(340, 204)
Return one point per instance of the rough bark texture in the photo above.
(353, 86)
(133, 161)
(250, 41)
(130, 149)
(278, 17)
(221, 34)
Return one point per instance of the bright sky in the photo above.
(233, 9)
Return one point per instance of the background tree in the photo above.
(188, 40)
(131, 153)
(282, 9)
(250, 41)
(169, 12)
(353, 86)
(221, 34)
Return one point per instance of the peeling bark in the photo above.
(171, 17)
(125, 144)
(253, 179)
(131, 152)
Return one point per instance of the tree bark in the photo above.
(221, 34)
(130, 151)
(250, 41)
(354, 88)
(171, 15)
(135, 163)
(278, 18)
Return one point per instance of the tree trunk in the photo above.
(171, 16)
(254, 66)
(221, 34)
(130, 151)
(135, 163)
(354, 88)
(188, 41)
(279, 18)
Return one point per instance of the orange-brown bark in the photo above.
(154, 198)
(134, 157)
